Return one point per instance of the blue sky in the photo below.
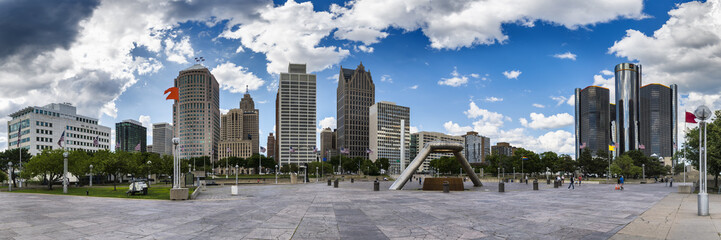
(445, 62)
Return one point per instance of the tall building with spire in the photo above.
(355, 95)
(239, 130)
(197, 119)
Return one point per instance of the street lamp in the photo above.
(91, 175)
(236, 174)
(316, 174)
(176, 164)
(702, 113)
(276, 174)
(65, 172)
(10, 176)
(643, 170)
(149, 162)
(514, 173)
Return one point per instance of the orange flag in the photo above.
(173, 93)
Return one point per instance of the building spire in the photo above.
(246, 89)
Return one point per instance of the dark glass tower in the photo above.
(657, 120)
(593, 118)
(628, 82)
(128, 134)
(356, 93)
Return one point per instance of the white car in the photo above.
(138, 186)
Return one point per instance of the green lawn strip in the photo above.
(162, 193)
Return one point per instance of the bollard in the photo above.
(548, 181)
(501, 188)
(351, 180)
(446, 187)
(376, 186)
(526, 181)
(335, 184)
(556, 183)
(328, 182)
(535, 185)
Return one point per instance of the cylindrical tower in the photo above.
(199, 123)
(628, 82)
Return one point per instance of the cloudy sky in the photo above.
(504, 68)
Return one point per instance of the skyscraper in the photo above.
(42, 128)
(593, 119)
(234, 141)
(355, 95)
(271, 146)
(476, 147)
(328, 143)
(296, 115)
(628, 82)
(163, 138)
(198, 123)
(656, 125)
(385, 133)
(250, 121)
(129, 134)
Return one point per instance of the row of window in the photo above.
(22, 124)
(44, 131)
(43, 147)
(15, 134)
(45, 112)
(79, 119)
(43, 139)
(43, 124)
(77, 129)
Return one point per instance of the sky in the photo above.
(504, 68)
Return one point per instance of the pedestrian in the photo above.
(670, 183)
(579, 179)
(570, 185)
(420, 180)
(620, 180)
(563, 179)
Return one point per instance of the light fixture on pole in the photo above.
(149, 162)
(65, 172)
(702, 113)
(236, 174)
(91, 175)
(276, 174)
(10, 176)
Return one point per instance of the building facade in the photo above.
(385, 133)
(41, 128)
(162, 139)
(657, 125)
(296, 116)
(503, 148)
(423, 138)
(233, 141)
(271, 146)
(476, 147)
(328, 146)
(131, 136)
(355, 95)
(593, 119)
(198, 122)
(628, 82)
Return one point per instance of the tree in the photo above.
(289, 168)
(532, 164)
(713, 155)
(115, 165)
(549, 160)
(383, 163)
(48, 163)
(13, 155)
(371, 168)
(323, 168)
(566, 163)
(624, 166)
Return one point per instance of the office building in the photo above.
(628, 82)
(239, 130)
(296, 115)
(657, 121)
(503, 148)
(162, 139)
(130, 136)
(150, 148)
(198, 123)
(271, 146)
(41, 128)
(355, 95)
(422, 138)
(593, 119)
(328, 146)
(385, 133)
(476, 147)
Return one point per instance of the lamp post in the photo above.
(316, 174)
(10, 176)
(236, 174)
(514, 173)
(702, 113)
(65, 172)
(176, 164)
(276, 174)
(643, 170)
(149, 162)
(91, 175)
(499, 175)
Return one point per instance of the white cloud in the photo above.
(512, 74)
(566, 55)
(455, 129)
(475, 75)
(610, 83)
(538, 105)
(147, 123)
(540, 121)
(179, 51)
(493, 99)
(112, 138)
(262, 101)
(386, 78)
(562, 99)
(414, 87)
(224, 111)
(290, 33)
(364, 48)
(606, 72)
(571, 101)
(235, 78)
(414, 129)
(456, 80)
(328, 122)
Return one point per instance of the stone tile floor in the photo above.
(352, 211)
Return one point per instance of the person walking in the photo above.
(666, 180)
(620, 180)
(670, 183)
(570, 185)
(579, 179)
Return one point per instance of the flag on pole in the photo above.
(690, 118)
(315, 149)
(292, 150)
(369, 151)
(262, 149)
(137, 147)
(173, 93)
(20, 133)
(611, 148)
(227, 149)
(95, 141)
(583, 145)
(344, 151)
(524, 158)
(62, 138)
(642, 147)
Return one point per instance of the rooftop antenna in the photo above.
(246, 89)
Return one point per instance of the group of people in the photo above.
(573, 179)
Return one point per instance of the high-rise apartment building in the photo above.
(198, 122)
(385, 133)
(628, 82)
(503, 148)
(296, 115)
(355, 95)
(328, 140)
(41, 128)
(162, 138)
(130, 136)
(657, 121)
(476, 148)
(423, 138)
(593, 119)
(271, 146)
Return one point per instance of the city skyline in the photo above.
(497, 81)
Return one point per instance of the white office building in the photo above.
(41, 128)
(423, 138)
(296, 115)
(385, 133)
(162, 139)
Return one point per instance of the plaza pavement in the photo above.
(352, 211)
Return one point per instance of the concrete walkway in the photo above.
(676, 217)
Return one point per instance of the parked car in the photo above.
(138, 186)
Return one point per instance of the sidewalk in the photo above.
(675, 217)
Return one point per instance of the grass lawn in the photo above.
(162, 193)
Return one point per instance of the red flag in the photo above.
(173, 93)
(690, 118)
(642, 147)
(137, 147)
